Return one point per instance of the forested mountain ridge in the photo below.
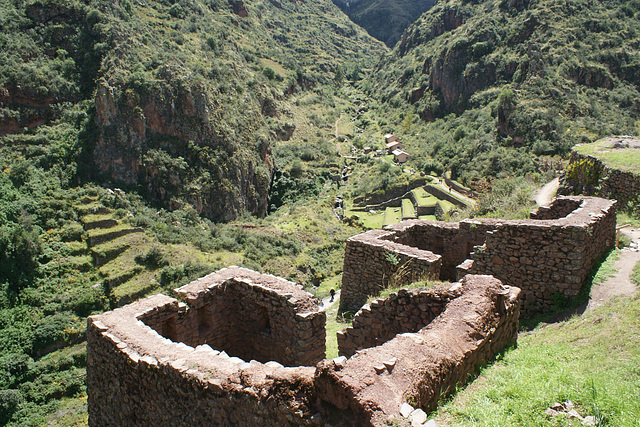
(184, 105)
(213, 109)
(534, 75)
(184, 98)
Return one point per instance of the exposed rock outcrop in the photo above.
(170, 138)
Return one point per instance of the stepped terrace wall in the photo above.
(145, 367)
(480, 317)
(548, 256)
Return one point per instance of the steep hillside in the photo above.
(385, 19)
(525, 75)
(184, 100)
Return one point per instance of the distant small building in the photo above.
(366, 150)
(390, 138)
(400, 156)
(394, 145)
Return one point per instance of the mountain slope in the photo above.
(185, 100)
(385, 19)
(536, 74)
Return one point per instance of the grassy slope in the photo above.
(626, 159)
(590, 359)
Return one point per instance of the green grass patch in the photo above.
(447, 206)
(422, 284)
(72, 412)
(335, 323)
(624, 217)
(391, 216)
(141, 284)
(607, 269)
(591, 360)
(76, 248)
(423, 198)
(334, 282)
(101, 231)
(408, 210)
(91, 218)
(428, 217)
(625, 159)
(635, 274)
(275, 66)
(367, 219)
(345, 126)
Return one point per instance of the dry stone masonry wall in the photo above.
(372, 263)
(152, 361)
(479, 319)
(548, 256)
(384, 318)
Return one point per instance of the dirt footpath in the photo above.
(620, 284)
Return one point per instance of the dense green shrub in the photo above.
(9, 401)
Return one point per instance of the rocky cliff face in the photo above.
(187, 109)
(169, 139)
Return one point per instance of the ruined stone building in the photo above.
(241, 348)
(548, 256)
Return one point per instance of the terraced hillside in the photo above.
(432, 201)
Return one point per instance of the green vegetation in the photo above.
(384, 20)
(392, 216)
(591, 360)
(408, 210)
(500, 83)
(510, 198)
(335, 323)
(626, 159)
(198, 113)
(421, 284)
(635, 275)
(367, 219)
(423, 198)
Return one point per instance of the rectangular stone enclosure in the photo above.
(548, 256)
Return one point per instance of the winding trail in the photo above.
(546, 193)
(620, 284)
(326, 304)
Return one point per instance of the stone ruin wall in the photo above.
(149, 362)
(373, 263)
(245, 320)
(384, 318)
(479, 318)
(548, 257)
(613, 183)
(560, 208)
(453, 241)
(145, 365)
(549, 260)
